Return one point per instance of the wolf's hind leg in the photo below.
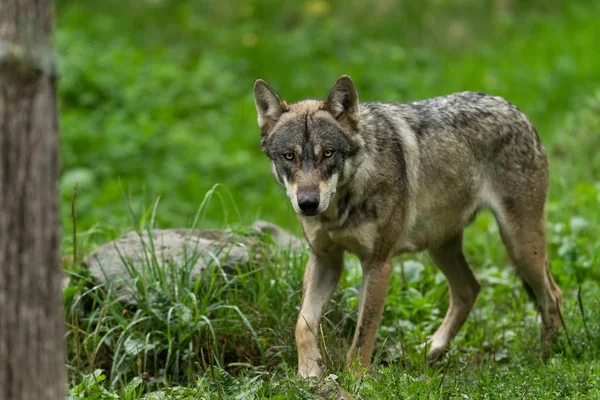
(321, 276)
(464, 289)
(522, 227)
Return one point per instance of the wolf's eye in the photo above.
(289, 156)
(327, 153)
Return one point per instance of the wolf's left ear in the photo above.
(269, 106)
(342, 102)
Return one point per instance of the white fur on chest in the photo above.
(359, 240)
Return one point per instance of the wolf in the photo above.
(379, 179)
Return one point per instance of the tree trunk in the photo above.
(31, 320)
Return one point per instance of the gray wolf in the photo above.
(379, 179)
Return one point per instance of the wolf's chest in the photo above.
(359, 240)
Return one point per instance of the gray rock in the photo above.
(168, 252)
(283, 239)
(330, 389)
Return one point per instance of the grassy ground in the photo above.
(156, 108)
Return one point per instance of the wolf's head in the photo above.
(312, 144)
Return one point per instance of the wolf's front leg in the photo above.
(321, 276)
(373, 292)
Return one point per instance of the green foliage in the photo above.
(156, 108)
(156, 97)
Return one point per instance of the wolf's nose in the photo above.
(308, 202)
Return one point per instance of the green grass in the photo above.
(156, 108)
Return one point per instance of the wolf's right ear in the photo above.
(269, 106)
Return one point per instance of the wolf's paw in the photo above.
(312, 369)
(436, 353)
(549, 341)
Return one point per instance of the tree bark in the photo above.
(31, 319)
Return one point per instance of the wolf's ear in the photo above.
(269, 106)
(342, 102)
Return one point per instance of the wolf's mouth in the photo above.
(308, 214)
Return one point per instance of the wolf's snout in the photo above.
(308, 202)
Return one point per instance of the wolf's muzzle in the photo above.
(308, 202)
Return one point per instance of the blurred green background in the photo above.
(156, 95)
